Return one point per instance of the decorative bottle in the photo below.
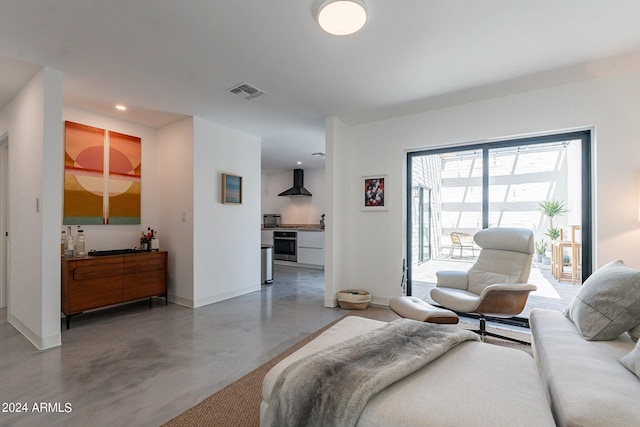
(69, 246)
(63, 242)
(144, 243)
(155, 242)
(79, 243)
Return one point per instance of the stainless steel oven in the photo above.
(284, 245)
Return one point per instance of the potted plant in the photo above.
(551, 208)
(553, 233)
(541, 248)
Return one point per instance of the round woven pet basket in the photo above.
(354, 299)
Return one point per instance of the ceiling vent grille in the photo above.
(246, 90)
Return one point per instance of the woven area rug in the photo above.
(238, 404)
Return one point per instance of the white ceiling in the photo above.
(168, 59)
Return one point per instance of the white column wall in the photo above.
(51, 209)
(175, 207)
(33, 124)
(338, 235)
(376, 239)
(226, 239)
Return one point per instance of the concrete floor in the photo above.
(136, 366)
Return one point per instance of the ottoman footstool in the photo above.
(417, 309)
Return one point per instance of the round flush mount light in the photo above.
(342, 17)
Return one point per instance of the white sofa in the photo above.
(587, 384)
(474, 384)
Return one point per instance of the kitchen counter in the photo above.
(312, 227)
(309, 245)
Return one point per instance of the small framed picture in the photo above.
(231, 189)
(374, 193)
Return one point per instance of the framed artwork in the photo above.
(231, 189)
(83, 174)
(123, 181)
(374, 192)
(102, 172)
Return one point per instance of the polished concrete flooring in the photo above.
(138, 366)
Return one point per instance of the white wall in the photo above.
(175, 206)
(337, 236)
(33, 123)
(376, 239)
(226, 238)
(264, 193)
(295, 210)
(101, 237)
(4, 198)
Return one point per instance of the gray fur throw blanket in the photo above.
(332, 387)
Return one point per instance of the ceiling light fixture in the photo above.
(342, 17)
(121, 107)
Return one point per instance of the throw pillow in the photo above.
(608, 303)
(632, 360)
(634, 333)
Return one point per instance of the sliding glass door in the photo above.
(424, 224)
(500, 184)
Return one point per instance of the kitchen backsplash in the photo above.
(294, 210)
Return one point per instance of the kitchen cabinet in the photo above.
(311, 247)
(267, 237)
(96, 282)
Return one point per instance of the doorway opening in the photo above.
(502, 184)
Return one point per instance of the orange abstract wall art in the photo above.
(92, 196)
(124, 179)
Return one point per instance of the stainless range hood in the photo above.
(298, 189)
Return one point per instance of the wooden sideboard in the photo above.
(96, 282)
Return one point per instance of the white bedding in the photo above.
(473, 384)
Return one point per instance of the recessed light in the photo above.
(121, 107)
(298, 163)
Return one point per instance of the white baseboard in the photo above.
(331, 302)
(298, 264)
(41, 343)
(185, 302)
(224, 296)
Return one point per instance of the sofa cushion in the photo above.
(608, 303)
(587, 383)
(634, 332)
(632, 360)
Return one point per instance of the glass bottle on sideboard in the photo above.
(79, 243)
(69, 245)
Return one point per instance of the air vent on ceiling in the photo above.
(246, 91)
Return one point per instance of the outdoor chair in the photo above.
(496, 284)
(462, 241)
